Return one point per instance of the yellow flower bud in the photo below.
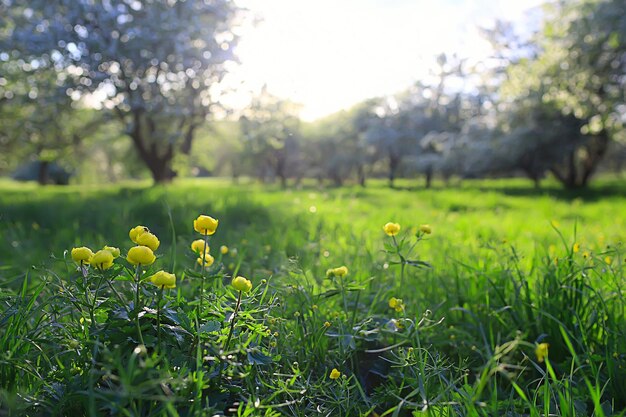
(241, 284)
(542, 351)
(140, 255)
(163, 279)
(391, 229)
(102, 259)
(136, 231)
(426, 229)
(114, 251)
(223, 249)
(205, 224)
(148, 239)
(208, 260)
(82, 254)
(337, 272)
(198, 246)
(334, 374)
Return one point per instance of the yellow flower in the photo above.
(608, 260)
(327, 324)
(223, 249)
(208, 260)
(163, 279)
(334, 374)
(542, 351)
(140, 255)
(205, 224)
(337, 272)
(81, 254)
(391, 229)
(576, 247)
(198, 245)
(136, 231)
(241, 284)
(425, 228)
(148, 239)
(586, 254)
(396, 303)
(102, 259)
(114, 251)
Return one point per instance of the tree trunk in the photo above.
(43, 173)
(578, 172)
(429, 177)
(158, 162)
(361, 175)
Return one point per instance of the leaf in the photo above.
(210, 326)
(256, 357)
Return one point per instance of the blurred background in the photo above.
(328, 92)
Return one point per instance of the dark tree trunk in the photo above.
(361, 175)
(429, 177)
(158, 161)
(578, 171)
(43, 173)
(394, 162)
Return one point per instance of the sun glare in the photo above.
(328, 55)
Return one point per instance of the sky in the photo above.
(328, 55)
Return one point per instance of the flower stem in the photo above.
(137, 278)
(232, 322)
(206, 241)
(159, 317)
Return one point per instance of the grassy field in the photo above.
(507, 271)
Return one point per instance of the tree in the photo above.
(579, 70)
(270, 131)
(154, 64)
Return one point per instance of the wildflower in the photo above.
(140, 255)
(136, 231)
(576, 247)
(205, 225)
(334, 374)
(337, 272)
(426, 229)
(391, 229)
(541, 351)
(608, 260)
(82, 254)
(102, 259)
(327, 324)
(163, 279)
(148, 239)
(114, 251)
(223, 249)
(586, 254)
(208, 260)
(198, 246)
(241, 284)
(396, 303)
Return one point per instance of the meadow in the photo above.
(510, 303)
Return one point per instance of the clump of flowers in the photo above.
(396, 303)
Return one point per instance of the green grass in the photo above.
(503, 276)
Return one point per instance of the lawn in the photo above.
(513, 305)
